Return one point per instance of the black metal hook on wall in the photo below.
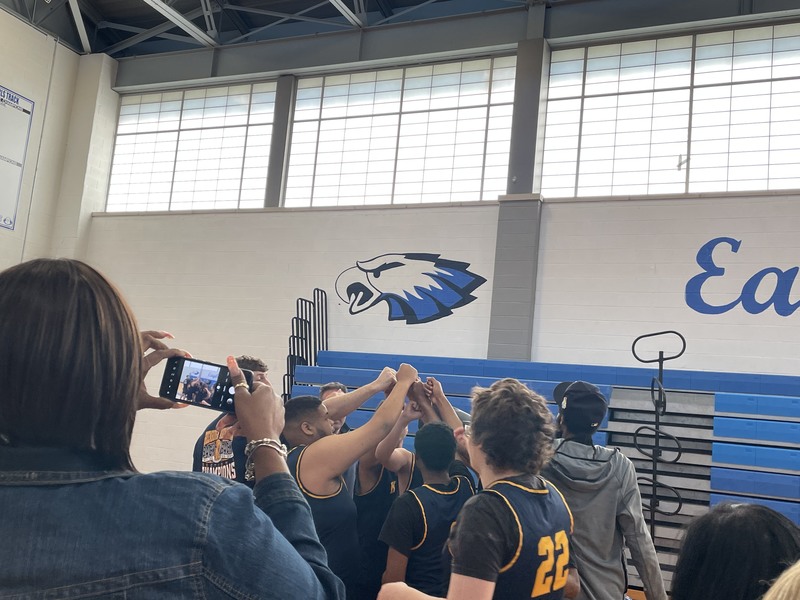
(658, 396)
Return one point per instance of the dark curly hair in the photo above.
(513, 426)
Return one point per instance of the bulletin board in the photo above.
(15, 126)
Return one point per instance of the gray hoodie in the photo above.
(599, 485)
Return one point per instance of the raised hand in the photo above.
(407, 374)
(260, 412)
(158, 351)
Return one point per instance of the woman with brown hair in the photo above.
(82, 520)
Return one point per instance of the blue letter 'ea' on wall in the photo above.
(747, 298)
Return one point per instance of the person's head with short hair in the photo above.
(305, 420)
(511, 426)
(256, 365)
(71, 361)
(333, 388)
(435, 447)
(787, 586)
(734, 552)
(581, 407)
(330, 390)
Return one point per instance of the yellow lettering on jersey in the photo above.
(553, 550)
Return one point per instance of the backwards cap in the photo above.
(581, 404)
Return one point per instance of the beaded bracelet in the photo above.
(252, 446)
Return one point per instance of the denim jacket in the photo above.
(72, 529)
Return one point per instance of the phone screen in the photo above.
(200, 383)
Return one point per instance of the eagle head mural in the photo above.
(418, 288)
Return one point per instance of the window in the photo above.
(193, 150)
(705, 113)
(435, 133)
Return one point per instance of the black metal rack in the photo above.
(309, 336)
(659, 397)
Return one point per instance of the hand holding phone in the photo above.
(260, 410)
(200, 383)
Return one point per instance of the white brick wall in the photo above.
(611, 270)
(227, 283)
(29, 59)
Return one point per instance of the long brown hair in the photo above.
(70, 360)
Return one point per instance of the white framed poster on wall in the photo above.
(15, 124)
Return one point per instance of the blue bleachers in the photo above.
(789, 509)
(701, 381)
(458, 377)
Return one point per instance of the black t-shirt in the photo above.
(418, 525)
(221, 452)
(487, 539)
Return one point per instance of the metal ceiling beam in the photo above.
(405, 12)
(385, 8)
(296, 16)
(150, 33)
(348, 14)
(131, 29)
(80, 26)
(284, 16)
(182, 22)
(235, 18)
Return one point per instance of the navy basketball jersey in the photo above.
(373, 505)
(335, 522)
(439, 506)
(539, 568)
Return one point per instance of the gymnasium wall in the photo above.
(227, 282)
(37, 67)
(613, 269)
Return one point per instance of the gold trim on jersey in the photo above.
(564, 500)
(520, 486)
(519, 527)
(424, 521)
(300, 483)
(377, 481)
(443, 492)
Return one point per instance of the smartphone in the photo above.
(200, 383)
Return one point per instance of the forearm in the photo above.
(343, 405)
(385, 448)
(281, 500)
(446, 410)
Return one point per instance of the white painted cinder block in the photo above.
(612, 270)
(227, 283)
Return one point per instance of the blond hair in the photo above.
(787, 586)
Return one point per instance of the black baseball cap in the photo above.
(581, 404)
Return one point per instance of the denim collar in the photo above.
(37, 465)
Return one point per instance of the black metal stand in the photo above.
(309, 336)
(659, 397)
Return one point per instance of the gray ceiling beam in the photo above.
(182, 22)
(150, 33)
(476, 34)
(80, 26)
(235, 18)
(405, 12)
(284, 16)
(348, 14)
(131, 29)
(385, 8)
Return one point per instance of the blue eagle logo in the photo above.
(419, 288)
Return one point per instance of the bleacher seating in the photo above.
(756, 451)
